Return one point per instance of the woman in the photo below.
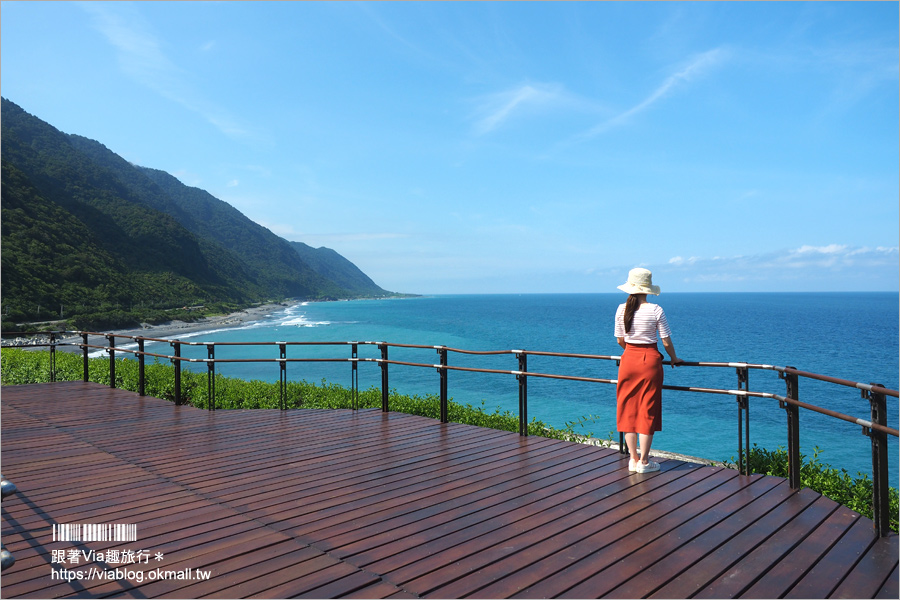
(639, 389)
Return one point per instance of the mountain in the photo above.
(85, 231)
(338, 269)
(269, 261)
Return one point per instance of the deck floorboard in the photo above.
(365, 504)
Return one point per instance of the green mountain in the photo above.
(85, 232)
(338, 269)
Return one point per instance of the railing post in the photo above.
(176, 346)
(7, 487)
(141, 373)
(880, 499)
(354, 376)
(445, 417)
(623, 447)
(793, 427)
(112, 360)
(743, 402)
(282, 377)
(523, 393)
(52, 356)
(84, 353)
(384, 377)
(211, 376)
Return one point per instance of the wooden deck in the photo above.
(374, 505)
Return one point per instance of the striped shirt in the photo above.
(649, 320)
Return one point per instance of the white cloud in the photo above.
(678, 260)
(697, 67)
(829, 249)
(827, 267)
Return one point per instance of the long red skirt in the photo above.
(639, 390)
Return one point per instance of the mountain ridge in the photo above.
(84, 228)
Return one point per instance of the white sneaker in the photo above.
(647, 468)
(632, 465)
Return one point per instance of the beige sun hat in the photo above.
(640, 281)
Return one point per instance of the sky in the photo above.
(505, 147)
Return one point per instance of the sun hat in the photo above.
(640, 281)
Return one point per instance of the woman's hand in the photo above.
(670, 349)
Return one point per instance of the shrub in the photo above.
(853, 492)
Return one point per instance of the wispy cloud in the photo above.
(696, 67)
(495, 110)
(141, 57)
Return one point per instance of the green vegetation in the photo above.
(853, 492)
(108, 317)
(18, 366)
(88, 235)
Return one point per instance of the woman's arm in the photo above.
(670, 348)
(621, 341)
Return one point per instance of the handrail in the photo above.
(875, 427)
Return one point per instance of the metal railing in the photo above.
(875, 427)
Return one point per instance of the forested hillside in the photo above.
(89, 237)
(338, 269)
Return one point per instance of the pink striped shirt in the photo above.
(649, 320)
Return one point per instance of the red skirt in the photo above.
(639, 390)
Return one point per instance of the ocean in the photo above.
(846, 335)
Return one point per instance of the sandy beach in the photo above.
(174, 329)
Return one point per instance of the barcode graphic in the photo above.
(94, 532)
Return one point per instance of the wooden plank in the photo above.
(709, 568)
(367, 504)
(596, 542)
(835, 562)
(483, 504)
(542, 547)
(889, 589)
(379, 590)
(767, 555)
(867, 578)
(777, 581)
(333, 515)
(666, 537)
(456, 540)
(392, 551)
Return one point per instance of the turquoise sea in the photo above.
(847, 335)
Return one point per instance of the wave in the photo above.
(301, 321)
(293, 316)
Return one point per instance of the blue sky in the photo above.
(505, 147)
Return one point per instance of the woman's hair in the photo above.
(631, 305)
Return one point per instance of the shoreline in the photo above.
(172, 330)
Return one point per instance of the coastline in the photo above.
(174, 329)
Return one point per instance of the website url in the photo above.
(129, 574)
